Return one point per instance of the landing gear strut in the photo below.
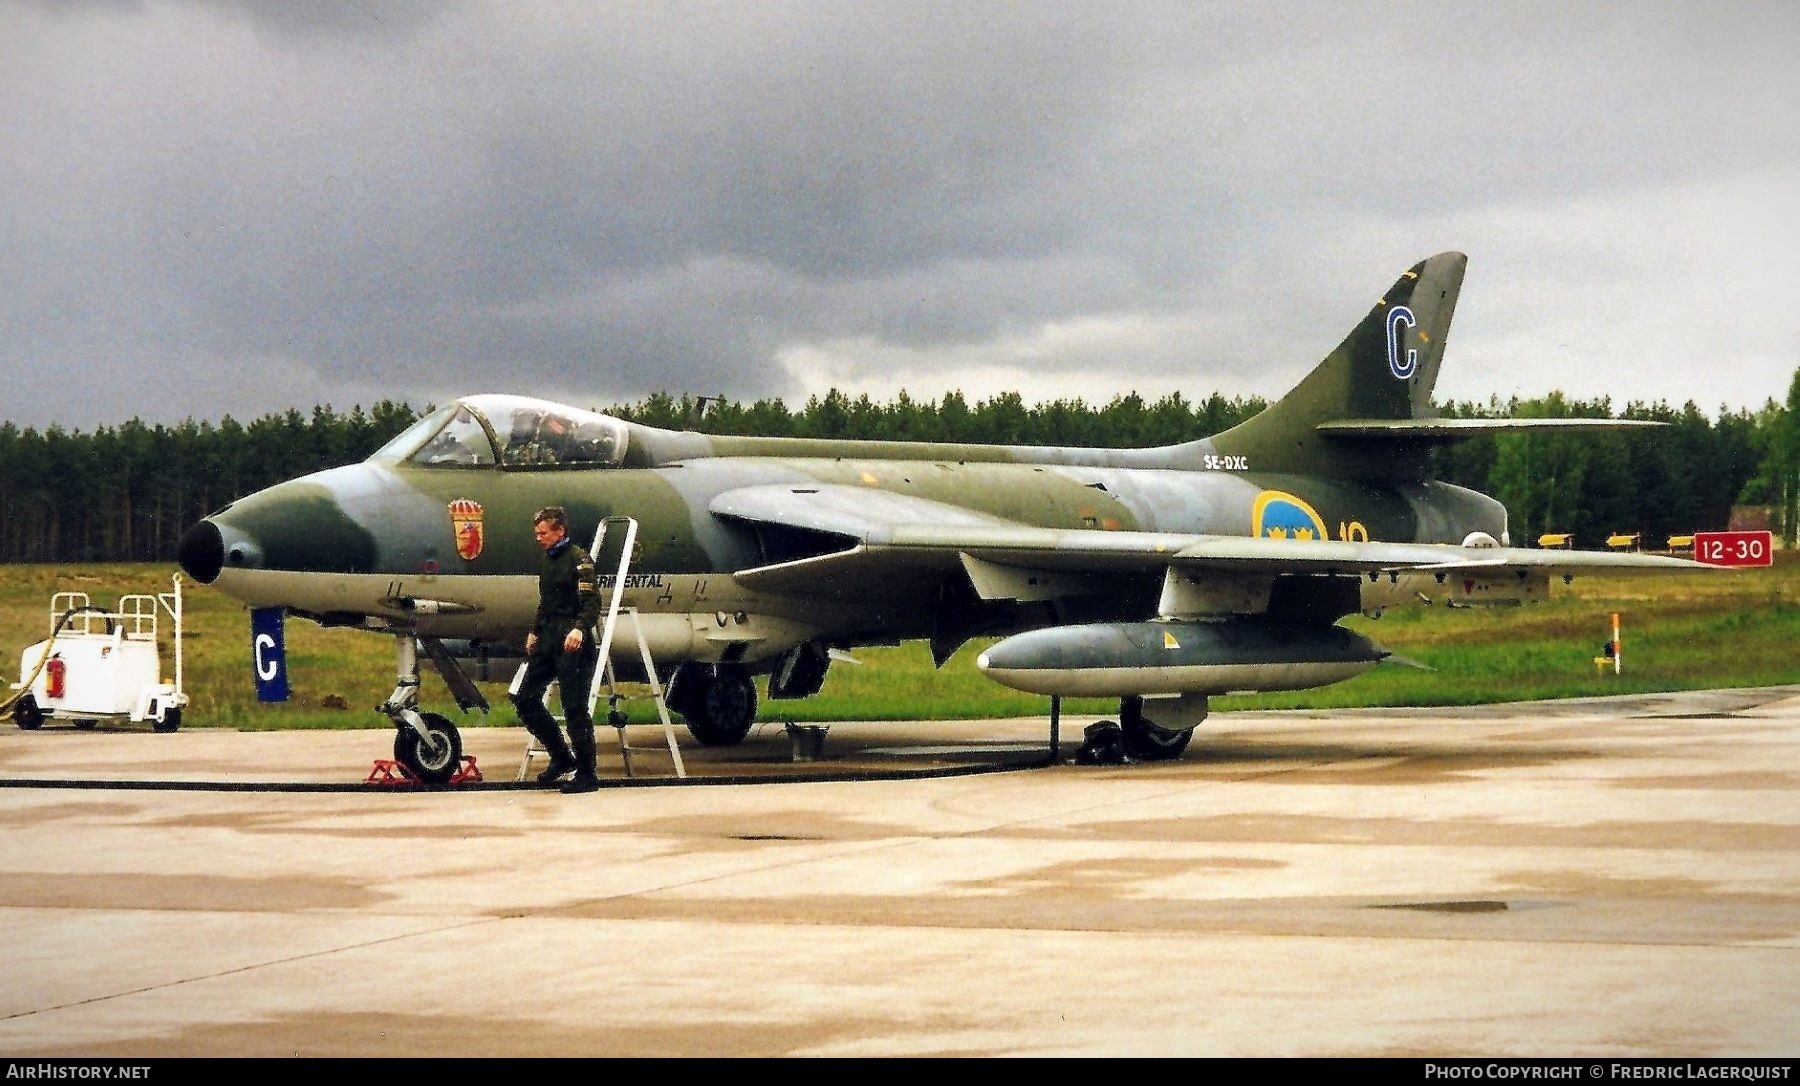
(427, 745)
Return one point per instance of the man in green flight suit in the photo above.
(560, 646)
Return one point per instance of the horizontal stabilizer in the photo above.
(1438, 431)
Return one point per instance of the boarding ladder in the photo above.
(604, 673)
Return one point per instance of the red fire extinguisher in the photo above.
(55, 675)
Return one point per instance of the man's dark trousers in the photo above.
(574, 674)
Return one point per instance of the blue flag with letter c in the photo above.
(268, 654)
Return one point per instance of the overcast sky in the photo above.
(212, 208)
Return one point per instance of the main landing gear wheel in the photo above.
(170, 721)
(719, 706)
(434, 758)
(27, 714)
(1101, 744)
(1145, 740)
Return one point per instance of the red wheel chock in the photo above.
(388, 772)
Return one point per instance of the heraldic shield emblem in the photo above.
(465, 524)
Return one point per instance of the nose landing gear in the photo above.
(427, 745)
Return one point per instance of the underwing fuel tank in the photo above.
(1150, 659)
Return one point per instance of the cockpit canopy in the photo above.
(513, 432)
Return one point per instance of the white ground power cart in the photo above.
(102, 666)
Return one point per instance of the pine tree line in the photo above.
(128, 492)
(1682, 477)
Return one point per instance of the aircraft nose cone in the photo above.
(202, 552)
(207, 549)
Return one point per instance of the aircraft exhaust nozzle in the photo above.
(1153, 659)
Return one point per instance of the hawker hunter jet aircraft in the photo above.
(1158, 576)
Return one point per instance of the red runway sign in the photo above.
(1734, 548)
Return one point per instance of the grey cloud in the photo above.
(302, 21)
(626, 198)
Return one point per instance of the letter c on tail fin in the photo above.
(1402, 361)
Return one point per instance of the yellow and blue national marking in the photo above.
(1280, 515)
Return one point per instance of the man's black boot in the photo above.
(562, 759)
(556, 770)
(586, 779)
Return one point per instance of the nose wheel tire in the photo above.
(433, 758)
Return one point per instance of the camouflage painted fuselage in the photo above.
(361, 545)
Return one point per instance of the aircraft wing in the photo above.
(883, 533)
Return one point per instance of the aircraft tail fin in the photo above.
(1350, 415)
